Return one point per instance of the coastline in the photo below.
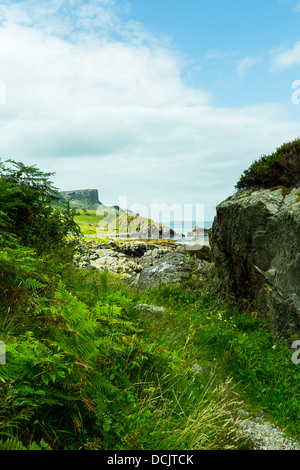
(173, 233)
(177, 239)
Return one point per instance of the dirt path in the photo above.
(265, 435)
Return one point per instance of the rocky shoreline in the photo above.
(145, 264)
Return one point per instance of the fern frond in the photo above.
(60, 292)
(11, 444)
(34, 284)
(101, 404)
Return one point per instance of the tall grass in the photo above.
(242, 346)
(165, 403)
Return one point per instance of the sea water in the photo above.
(183, 227)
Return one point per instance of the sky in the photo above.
(152, 102)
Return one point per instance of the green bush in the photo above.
(27, 212)
(280, 168)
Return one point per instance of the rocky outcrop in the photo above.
(145, 265)
(127, 224)
(113, 220)
(168, 268)
(81, 198)
(152, 257)
(255, 242)
(109, 257)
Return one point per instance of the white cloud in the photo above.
(216, 55)
(106, 107)
(246, 64)
(62, 17)
(287, 58)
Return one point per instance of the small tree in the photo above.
(27, 196)
(34, 239)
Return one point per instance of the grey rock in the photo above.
(197, 368)
(142, 263)
(135, 250)
(114, 262)
(172, 268)
(84, 198)
(94, 256)
(149, 308)
(255, 242)
(151, 257)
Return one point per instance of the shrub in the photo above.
(281, 168)
(27, 212)
(34, 241)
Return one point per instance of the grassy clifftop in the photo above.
(82, 198)
(111, 221)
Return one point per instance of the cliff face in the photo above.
(255, 242)
(84, 198)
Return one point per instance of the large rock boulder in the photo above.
(173, 267)
(114, 262)
(255, 242)
(151, 257)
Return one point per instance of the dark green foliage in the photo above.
(34, 241)
(26, 208)
(56, 369)
(280, 168)
(11, 444)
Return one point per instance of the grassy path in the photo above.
(205, 330)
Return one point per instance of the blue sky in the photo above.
(158, 101)
(217, 37)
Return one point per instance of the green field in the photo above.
(87, 221)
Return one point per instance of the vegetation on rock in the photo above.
(281, 168)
